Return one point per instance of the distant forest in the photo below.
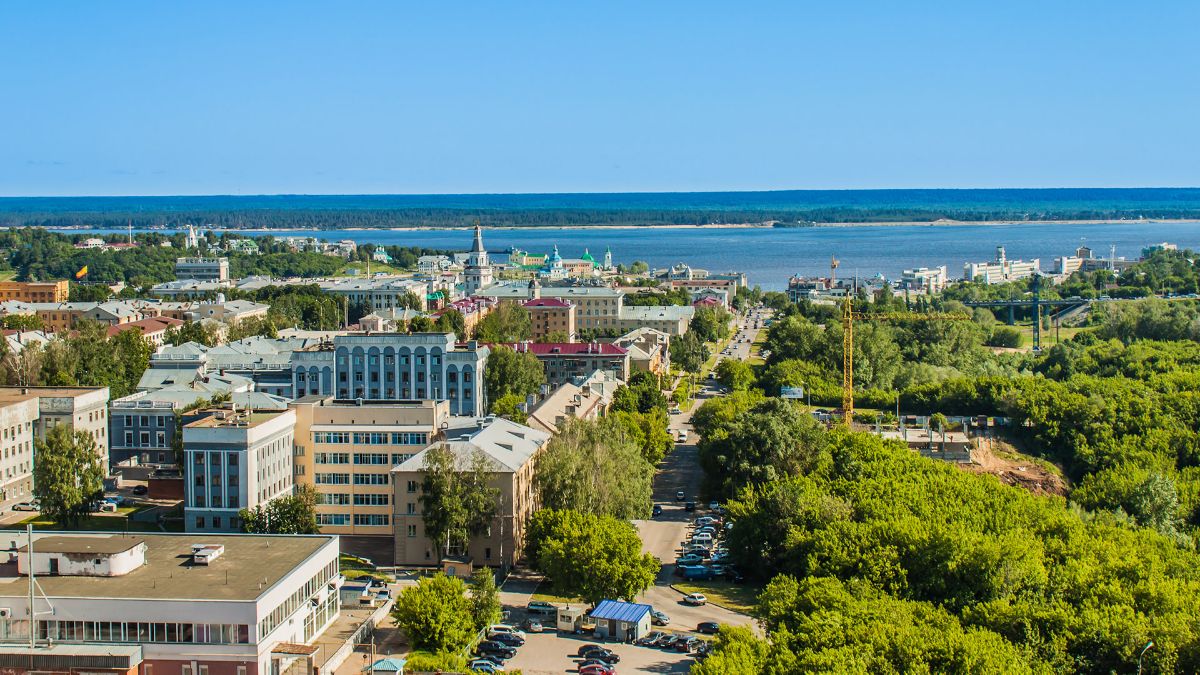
(789, 208)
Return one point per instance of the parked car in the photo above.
(115, 499)
(697, 550)
(676, 410)
(587, 648)
(650, 638)
(714, 506)
(106, 507)
(690, 559)
(493, 647)
(680, 496)
(656, 511)
(690, 506)
(669, 641)
(140, 490)
(696, 572)
(587, 663)
(510, 639)
(598, 652)
(681, 437)
(597, 669)
(659, 618)
(533, 626)
(686, 644)
(708, 627)
(541, 607)
(695, 599)
(27, 506)
(483, 666)
(504, 628)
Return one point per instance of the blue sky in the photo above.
(101, 98)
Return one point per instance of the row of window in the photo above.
(367, 519)
(370, 438)
(131, 631)
(144, 420)
(289, 606)
(344, 479)
(343, 499)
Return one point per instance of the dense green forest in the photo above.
(881, 561)
(35, 254)
(786, 207)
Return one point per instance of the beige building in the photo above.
(649, 349)
(17, 417)
(81, 408)
(548, 316)
(35, 291)
(346, 451)
(585, 398)
(510, 450)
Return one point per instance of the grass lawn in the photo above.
(1064, 333)
(556, 599)
(7, 275)
(737, 597)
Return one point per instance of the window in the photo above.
(332, 458)
(128, 438)
(370, 458)
(332, 479)
(412, 508)
(487, 553)
(370, 500)
(412, 486)
(331, 437)
(199, 525)
(370, 519)
(334, 498)
(412, 530)
(373, 438)
(410, 438)
(162, 421)
(144, 437)
(398, 458)
(370, 479)
(333, 519)
(217, 522)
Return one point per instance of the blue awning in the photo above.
(629, 612)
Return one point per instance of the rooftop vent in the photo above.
(204, 554)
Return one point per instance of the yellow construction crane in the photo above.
(849, 316)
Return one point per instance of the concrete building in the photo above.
(188, 288)
(510, 451)
(80, 408)
(1001, 269)
(477, 274)
(162, 604)
(202, 269)
(674, 320)
(346, 451)
(724, 287)
(431, 265)
(584, 398)
(566, 360)
(649, 349)
(17, 417)
(392, 366)
(925, 280)
(379, 293)
(153, 330)
(549, 316)
(35, 291)
(596, 307)
(235, 460)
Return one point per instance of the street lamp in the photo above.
(1148, 647)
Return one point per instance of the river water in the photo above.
(770, 255)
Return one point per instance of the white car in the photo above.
(504, 628)
(681, 436)
(695, 599)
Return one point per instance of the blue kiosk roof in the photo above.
(629, 612)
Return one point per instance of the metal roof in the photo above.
(629, 612)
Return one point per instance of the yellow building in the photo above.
(35, 291)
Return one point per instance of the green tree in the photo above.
(649, 430)
(192, 331)
(457, 500)
(22, 322)
(512, 372)
(421, 324)
(508, 322)
(292, 514)
(768, 442)
(485, 598)
(67, 474)
(1005, 336)
(688, 352)
(435, 614)
(593, 466)
(508, 406)
(711, 324)
(590, 556)
(453, 321)
(735, 374)
(641, 394)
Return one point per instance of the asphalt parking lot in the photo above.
(551, 653)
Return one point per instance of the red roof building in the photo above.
(564, 361)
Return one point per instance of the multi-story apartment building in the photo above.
(1002, 269)
(549, 316)
(166, 604)
(597, 307)
(674, 320)
(202, 269)
(35, 291)
(927, 280)
(17, 417)
(347, 449)
(394, 366)
(235, 460)
(80, 408)
(563, 361)
(510, 450)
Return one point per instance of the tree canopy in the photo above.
(589, 556)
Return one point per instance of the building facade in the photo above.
(235, 460)
(82, 409)
(550, 316)
(563, 361)
(927, 280)
(17, 417)
(510, 451)
(477, 274)
(35, 291)
(153, 604)
(202, 269)
(346, 450)
(1001, 270)
(394, 366)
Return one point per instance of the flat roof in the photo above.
(250, 566)
(242, 420)
(67, 544)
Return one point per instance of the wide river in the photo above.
(770, 255)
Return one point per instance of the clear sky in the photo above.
(138, 98)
